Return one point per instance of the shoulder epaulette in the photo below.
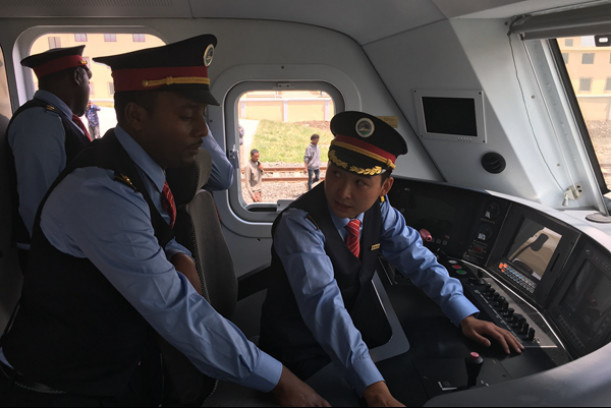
(122, 178)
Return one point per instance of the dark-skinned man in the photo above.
(106, 277)
(325, 249)
(46, 133)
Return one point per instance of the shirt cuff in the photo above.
(459, 308)
(266, 375)
(364, 373)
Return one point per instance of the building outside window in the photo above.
(54, 42)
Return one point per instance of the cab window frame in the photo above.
(264, 212)
(578, 115)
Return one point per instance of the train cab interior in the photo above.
(505, 106)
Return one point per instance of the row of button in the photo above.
(515, 276)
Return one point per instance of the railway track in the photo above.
(288, 173)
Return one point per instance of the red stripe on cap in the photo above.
(366, 146)
(132, 79)
(59, 64)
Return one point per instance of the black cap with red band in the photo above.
(364, 144)
(180, 67)
(55, 60)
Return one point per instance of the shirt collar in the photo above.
(52, 99)
(341, 223)
(142, 159)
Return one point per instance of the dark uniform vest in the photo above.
(73, 330)
(74, 142)
(284, 334)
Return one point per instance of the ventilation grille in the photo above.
(493, 163)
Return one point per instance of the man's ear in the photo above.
(135, 116)
(79, 76)
(387, 185)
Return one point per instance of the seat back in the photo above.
(198, 228)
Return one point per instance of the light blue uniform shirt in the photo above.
(89, 215)
(221, 174)
(300, 246)
(37, 139)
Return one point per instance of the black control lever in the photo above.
(474, 364)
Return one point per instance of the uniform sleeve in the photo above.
(89, 215)
(221, 176)
(37, 140)
(310, 273)
(402, 246)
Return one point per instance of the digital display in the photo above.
(532, 249)
(585, 309)
(452, 116)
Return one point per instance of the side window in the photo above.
(101, 90)
(589, 76)
(5, 106)
(276, 122)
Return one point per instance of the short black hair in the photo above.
(253, 151)
(146, 99)
(314, 136)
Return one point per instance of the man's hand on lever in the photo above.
(479, 330)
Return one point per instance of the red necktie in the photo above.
(168, 203)
(353, 237)
(81, 125)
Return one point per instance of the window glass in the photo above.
(101, 90)
(279, 124)
(591, 87)
(5, 106)
(80, 37)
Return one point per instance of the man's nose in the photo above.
(343, 189)
(202, 127)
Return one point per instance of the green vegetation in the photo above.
(286, 142)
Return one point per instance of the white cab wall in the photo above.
(433, 57)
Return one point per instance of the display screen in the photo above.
(585, 309)
(533, 248)
(452, 116)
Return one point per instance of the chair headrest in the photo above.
(186, 181)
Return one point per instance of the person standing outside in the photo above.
(46, 133)
(105, 275)
(253, 174)
(93, 121)
(312, 160)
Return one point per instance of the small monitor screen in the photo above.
(533, 248)
(585, 309)
(452, 116)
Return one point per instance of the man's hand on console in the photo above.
(480, 330)
(378, 395)
(292, 392)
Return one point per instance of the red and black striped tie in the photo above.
(353, 240)
(168, 203)
(81, 125)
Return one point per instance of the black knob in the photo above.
(474, 363)
(531, 334)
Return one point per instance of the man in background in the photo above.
(253, 174)
(93, 121)
(312, 160)
(45, 133)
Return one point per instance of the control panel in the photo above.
(501, 305)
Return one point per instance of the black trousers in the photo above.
(13, 394)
